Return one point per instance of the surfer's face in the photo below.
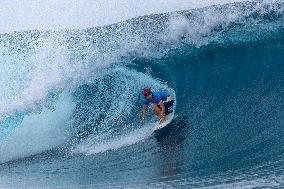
(149, 96)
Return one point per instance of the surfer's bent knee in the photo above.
(156, 110)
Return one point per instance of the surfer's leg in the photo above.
(156, 110)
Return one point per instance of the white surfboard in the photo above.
(169, 118)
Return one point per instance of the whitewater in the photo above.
(71, 79)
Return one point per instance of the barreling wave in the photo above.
(83, 86)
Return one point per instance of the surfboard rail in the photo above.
(169, 118)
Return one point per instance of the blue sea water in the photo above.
(71, 102)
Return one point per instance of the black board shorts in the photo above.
(168, 105)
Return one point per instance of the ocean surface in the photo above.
(71, 101)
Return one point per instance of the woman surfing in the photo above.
(161, 102)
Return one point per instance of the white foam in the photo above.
(39, 14)
(93, 146)
(39, 131)
(27, 78)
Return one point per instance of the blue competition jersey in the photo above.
(157, 98)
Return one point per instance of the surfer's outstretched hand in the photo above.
(142, 121)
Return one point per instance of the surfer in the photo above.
(162, 104)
